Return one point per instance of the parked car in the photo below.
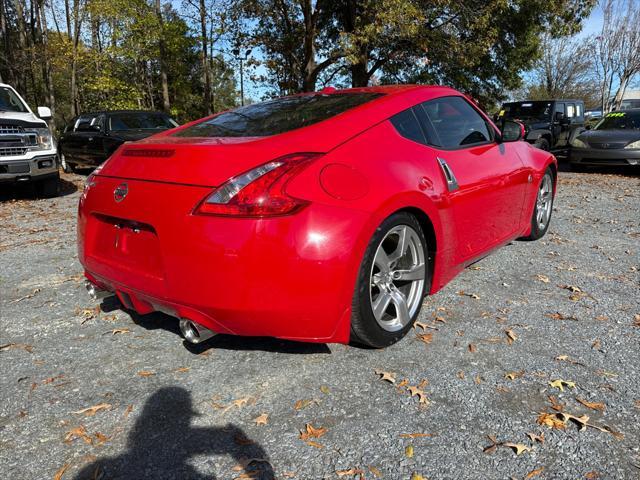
(615, 140)
(323, 217)
(549, 124)
(27, 149)
(89, 139)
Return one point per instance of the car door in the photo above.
(568, 124)
(95, 146)
(486, 180)
(72, 144)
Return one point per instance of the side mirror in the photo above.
(512, 131)
(558, 117)
(44, 113)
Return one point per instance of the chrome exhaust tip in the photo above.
(194, 332)
(95, 292)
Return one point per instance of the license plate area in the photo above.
(128, 245)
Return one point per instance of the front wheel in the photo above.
(391, 282)
(543, 144)
(544, 205)
(66, 167)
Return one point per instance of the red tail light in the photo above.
(260, 192)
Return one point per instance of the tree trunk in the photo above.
(48, 74)
(359, 73)
(206, 76)
(166, 104)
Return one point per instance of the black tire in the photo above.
(538, 230)
(66, 167)
(542, 143)
(49, 187)
(365, 329)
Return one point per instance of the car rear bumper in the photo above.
(290, 277)
(595, 157)
(23, 170)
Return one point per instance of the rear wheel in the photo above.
(544, 205)
(66, 167)
(49, 187)
(391, 282)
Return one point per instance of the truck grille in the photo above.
(12, 151)
(607, 146)
(10, 129)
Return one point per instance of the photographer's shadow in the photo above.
(163, 441)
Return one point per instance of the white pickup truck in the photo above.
(27, 148)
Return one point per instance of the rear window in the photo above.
(140, 121)
(277, 116)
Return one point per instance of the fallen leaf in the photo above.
(386, 376)
(416, 435)
(535, 437)
(128, 411)
(511, 336)
(561, 384)
(551, 421)
(571, 288)
(478, 380)
(10, 346)
(557, 406)
(472, 348)
(543, 278)
(514, 375)
(324, 389)
(415, 391)
(115, 331)
(517, 447)
(78, 432)
(408, 451)
(91, 411)
(460, 375)
(565, 358)
(241, 402)
(534, 473)
(636, 320)
(592, 475)
(417, 476)
(426, 338)
(561, 316)
(375, 471)
(145, 373)
(311, 432)
(592, 405)
(424, 326)
(596, 344)
(58, 475)
(465, 294)
(313, 444)
(262, 419)
(101, 438)
(350, 472)
(300, 404)
(182, 369)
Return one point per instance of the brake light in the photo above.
(259, 192)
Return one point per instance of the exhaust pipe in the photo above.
(95, 292)
(194, 332)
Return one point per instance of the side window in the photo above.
(571, 110)
(559, 108)
(578, 110)
(453, 123)
(407, 125)
(82, 123)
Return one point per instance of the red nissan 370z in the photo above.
(321, 217)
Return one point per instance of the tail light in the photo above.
(260, 192)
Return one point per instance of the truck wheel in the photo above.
(66, 167)
(49, 187)
(542, 143)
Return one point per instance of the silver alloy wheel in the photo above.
(544, 202)
(397, 278)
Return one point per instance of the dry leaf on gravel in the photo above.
(128, 411)
(565, 358)
(58, 475)
(514, 375)
(145, 373)
(300, 404)
(465, 294)
(349, 472)
(408, 451)
(424, 326)
(182, 369)
(417, 476)
(311, 432)
(261, 419)
(386, 376)
(415, 391)
(375, 471)
(543, 278)
(426, 338)
(519, 448)
(11, 346)
(511, 336)
(241, 402)
(636, 320)
(91, 411)
(472, 348)
(116, 331)
(78, 432)
(416, 435)
(534, 473)
(559, 383)
(561, 316)
(559, 421)
(551, 421)
(324, 389)
(592, 475)
(534, 437)
(592, 405)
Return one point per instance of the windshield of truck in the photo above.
(527, 111)
(620, 121)
(9, 101)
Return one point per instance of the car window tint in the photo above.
(456, 123)
(277, 116)
(84, 122)
(407, 125)
(560, 108)
(571, 110)
(140, 121)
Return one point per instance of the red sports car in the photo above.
(322, 217)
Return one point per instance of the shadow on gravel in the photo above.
(154, 321)
(162, 442)
(27, 191)
(629, 171)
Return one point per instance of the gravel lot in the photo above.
(563, 308)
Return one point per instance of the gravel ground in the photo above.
(563, 308)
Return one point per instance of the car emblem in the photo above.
(120, 192)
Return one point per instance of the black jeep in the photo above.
(549, 124)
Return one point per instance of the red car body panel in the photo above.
(293, 276)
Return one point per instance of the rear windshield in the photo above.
(140, 121)
(527, 110)
(620, 121)
(277, 116)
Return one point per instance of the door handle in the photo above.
(452, 183)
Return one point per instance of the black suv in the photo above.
(549, 124)
(91, 138)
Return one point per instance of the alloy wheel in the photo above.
(397, 278)
(544, 202)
